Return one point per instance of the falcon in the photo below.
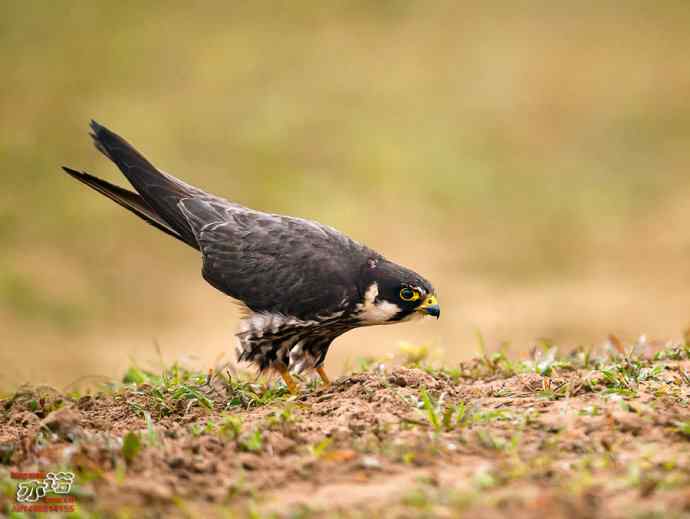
(301, 283)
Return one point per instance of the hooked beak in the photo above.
(430, 307)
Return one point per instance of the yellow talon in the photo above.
(289, 381)
(324, 377)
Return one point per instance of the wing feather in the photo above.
(274, 263)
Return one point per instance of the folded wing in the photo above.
(275, 263)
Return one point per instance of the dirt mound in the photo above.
(568, 437)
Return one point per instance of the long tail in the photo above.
(127, 199)
(158, 193)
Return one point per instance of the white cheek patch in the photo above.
(381, 312)
(371, 294)
(372, 312)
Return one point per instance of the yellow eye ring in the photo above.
(409, 294)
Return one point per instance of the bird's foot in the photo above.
(324, 377)
(289, 381)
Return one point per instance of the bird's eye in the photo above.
(409, 294)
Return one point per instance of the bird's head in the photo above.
(392, 293)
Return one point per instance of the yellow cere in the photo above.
(430, 301)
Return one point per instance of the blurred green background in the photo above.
(532, 159)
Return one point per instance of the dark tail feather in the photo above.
(129, 200)
(161, 192)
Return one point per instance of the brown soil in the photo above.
(521, 445)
